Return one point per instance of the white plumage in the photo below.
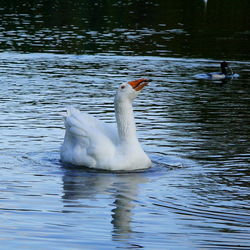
(93, 143)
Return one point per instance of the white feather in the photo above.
(93, 143)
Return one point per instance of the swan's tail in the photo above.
(66, 113)
(73, 123)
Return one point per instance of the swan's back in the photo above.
(87, 139)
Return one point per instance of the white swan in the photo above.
(95, 144)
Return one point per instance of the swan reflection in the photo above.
(119, 189)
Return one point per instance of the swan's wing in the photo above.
(84, 120)
(87, 141)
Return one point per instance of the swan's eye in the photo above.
(123, 86)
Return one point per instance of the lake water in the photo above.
(196, 195)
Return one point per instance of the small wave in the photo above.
(210, 76)
(170, 162)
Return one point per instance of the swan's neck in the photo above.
(125, 121)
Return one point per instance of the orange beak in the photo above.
(139, 84)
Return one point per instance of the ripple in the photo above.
(197, 187)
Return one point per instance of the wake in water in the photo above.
(169, 162)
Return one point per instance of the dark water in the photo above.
(192, 28)
(55, 54)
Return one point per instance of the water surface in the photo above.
(196, 131)
(197, 134)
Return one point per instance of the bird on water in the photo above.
(92, 143)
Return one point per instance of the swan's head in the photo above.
(130, 90)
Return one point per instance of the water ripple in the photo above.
(196, 133)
